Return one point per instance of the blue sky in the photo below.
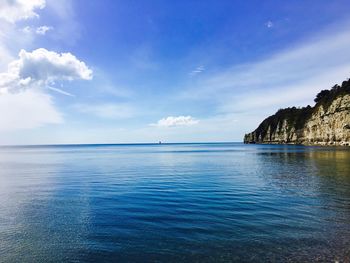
(176, 71)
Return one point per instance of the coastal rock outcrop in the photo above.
(327, 123)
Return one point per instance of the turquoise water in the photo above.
(219, 202)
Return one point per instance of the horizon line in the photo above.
(111, 144)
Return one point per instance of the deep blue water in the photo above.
(174, 203)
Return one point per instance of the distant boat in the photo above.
(160, 142)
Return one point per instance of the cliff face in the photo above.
(327, 123)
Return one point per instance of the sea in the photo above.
(193, 202)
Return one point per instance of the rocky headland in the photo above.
(326, 123)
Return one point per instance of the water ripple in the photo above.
(173, 203)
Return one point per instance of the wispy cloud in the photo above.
(291, 77)
(11, 37)
(303, 70)
(61, 91)
(269, 24)
(142, 58)
(27, 110)
(41, 30)
(196, 71)
(67, 27)
(15, 10)
(107, 110)
(118, 92)
(176, 121)
(27, 30)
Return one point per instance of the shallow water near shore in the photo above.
(216, 202)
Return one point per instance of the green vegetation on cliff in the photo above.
(325, 97)
(295, 117)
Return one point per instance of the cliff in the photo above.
(327, 123)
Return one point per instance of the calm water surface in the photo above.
(174, 203)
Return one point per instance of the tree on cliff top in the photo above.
(325, 97)
(321, 95)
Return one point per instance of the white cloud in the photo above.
(269, 24)
(15, 10)
(41, 67)
(27, 29)
(107, 110)
(41, 30)
(22, 87)
(197, 70)
(26, 110)
(176, 121)
(45, 65)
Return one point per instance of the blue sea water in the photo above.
(217, 202)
